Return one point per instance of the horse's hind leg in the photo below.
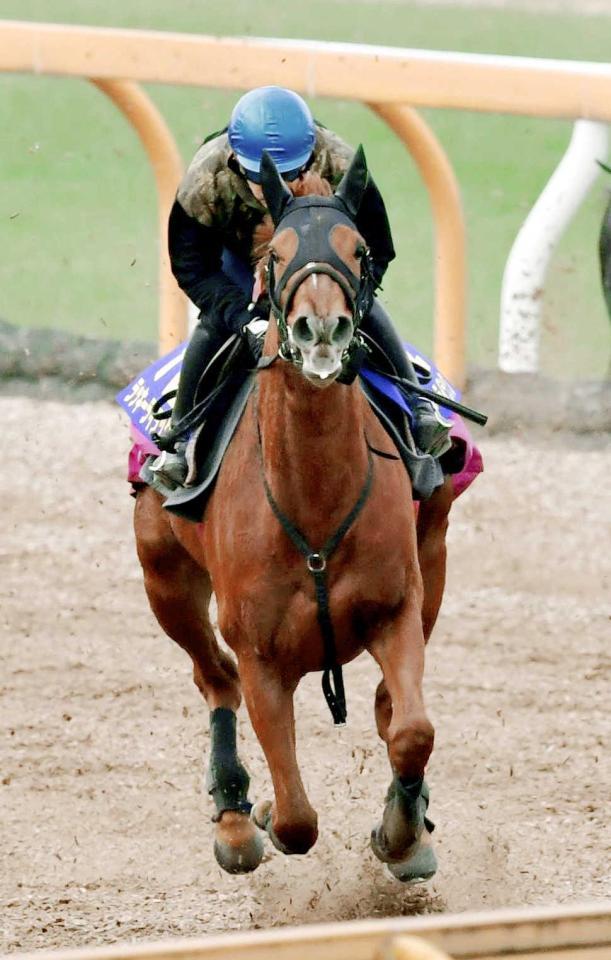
(432, 526)
(401, 839)
(179, 593)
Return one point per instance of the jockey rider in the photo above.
(218, 206)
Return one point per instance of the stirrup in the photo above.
(431, 429)
(171, 468)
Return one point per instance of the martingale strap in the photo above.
(316, 563)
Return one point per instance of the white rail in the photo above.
(526, 268)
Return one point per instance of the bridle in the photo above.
(313, 218)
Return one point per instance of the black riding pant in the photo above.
(208, 336)
(378, 325)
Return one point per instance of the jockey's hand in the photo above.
(257, 316)
(253, 333)
(255, 311)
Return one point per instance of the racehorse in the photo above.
(313, 548)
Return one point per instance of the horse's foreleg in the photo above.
(237, 845)
(290, 821)
(431, 528)
(179, 593)
(401, 839)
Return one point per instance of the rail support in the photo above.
(167, 168)
(526, 268)
(450, 245)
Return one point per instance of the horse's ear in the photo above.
(275, 191)
(354, 183)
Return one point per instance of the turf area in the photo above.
(77, 208)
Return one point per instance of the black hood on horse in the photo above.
(349, 192)
(314, 218)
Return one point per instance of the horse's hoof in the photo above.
(238, 846)
(404, 825)
(261, 816)
(376, 846)
(420, 867)
(379, 846)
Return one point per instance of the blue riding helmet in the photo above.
(276, 120)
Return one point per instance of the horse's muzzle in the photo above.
(321, 343)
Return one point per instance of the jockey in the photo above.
(217, 208)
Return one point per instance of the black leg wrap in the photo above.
(408, 792)
(404, 792)
(227, 779)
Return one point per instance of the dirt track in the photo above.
(105, 831)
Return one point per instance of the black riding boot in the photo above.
(430, 427)
(207, 338)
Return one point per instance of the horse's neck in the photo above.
(313, 444)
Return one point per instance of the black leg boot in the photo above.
(430, 428)
(207, 338)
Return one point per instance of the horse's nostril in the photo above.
(343, 330)
(302, 331)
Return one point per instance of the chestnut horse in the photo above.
(312, 547)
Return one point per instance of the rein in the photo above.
(316, 563)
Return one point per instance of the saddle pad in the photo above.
(138, 399)
(140, 396)
(473, 463)
(428, 374)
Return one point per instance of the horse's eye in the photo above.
(360, 251)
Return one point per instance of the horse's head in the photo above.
(318, 276)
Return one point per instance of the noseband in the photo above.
(312, 219)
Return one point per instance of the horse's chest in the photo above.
(280, 615)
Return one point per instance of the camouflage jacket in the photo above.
(215, 209)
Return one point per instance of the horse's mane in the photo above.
(310, 184)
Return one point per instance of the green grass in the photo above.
(77, 208)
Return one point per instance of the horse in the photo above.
(313, 548)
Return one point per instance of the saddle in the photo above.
(220, 401)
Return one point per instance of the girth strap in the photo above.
(316, 562)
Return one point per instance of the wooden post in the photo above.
(410, 948)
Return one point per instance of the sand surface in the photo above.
(105, 830)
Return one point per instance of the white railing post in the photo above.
(524, 277)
